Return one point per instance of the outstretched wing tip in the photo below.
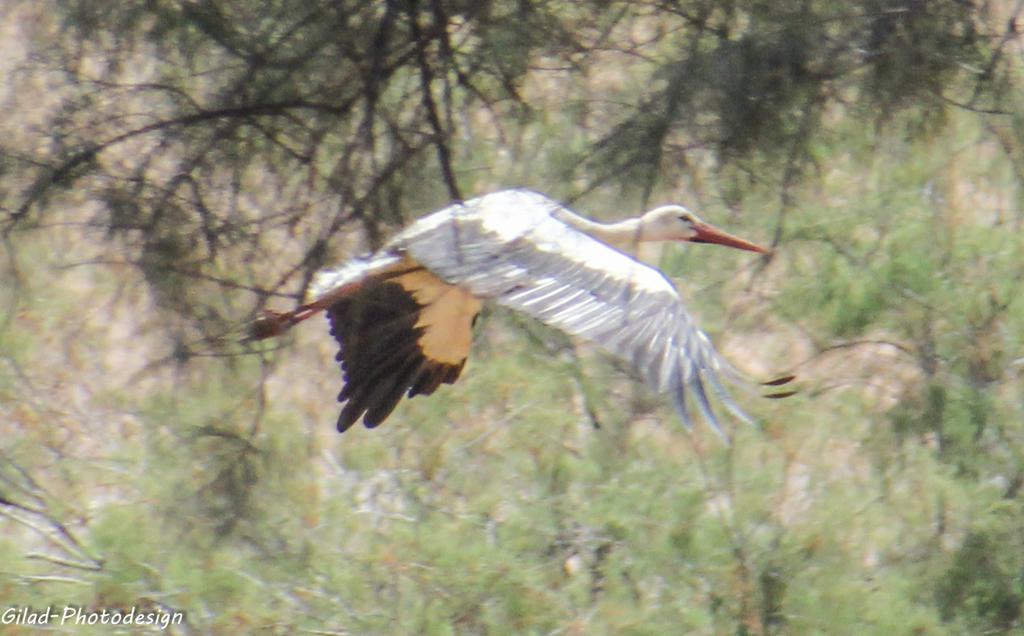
(779, 381)
(692, 377)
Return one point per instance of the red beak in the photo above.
(711, 234)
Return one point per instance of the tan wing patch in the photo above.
(446, 316)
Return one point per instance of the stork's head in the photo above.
(677, 223)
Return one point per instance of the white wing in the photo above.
(509, 248)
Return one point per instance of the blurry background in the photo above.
(170, 167)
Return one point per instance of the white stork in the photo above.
(403, 316)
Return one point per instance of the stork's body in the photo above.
(403, 316)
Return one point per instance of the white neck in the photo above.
(623, 235)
